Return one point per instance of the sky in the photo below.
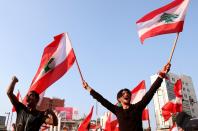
(105, 41)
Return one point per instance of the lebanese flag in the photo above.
(57, 59)
(137, 93)
(167, 19)
(17, 96)
(175, 105)
(84, 125)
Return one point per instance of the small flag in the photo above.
(85, 123)
(137, 93)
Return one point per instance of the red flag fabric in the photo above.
(18, 95)
(178, 88)
(108, 123)
(57, 59)
(167, 19)
(84, 125)
(175, 105)
(137, 93)
(174, 127)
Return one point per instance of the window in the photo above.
(188, 90)
(184, 89)
(185, 95)
(193, 110)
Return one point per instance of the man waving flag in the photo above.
(167, 19)
(56, 60)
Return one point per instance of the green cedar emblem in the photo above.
(50, 65)
(168, 18)
(119, 104)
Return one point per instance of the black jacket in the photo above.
(129, 119)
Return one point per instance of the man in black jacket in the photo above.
(28, 117)
(129, 115)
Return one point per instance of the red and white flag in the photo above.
(85, 123)
(175, 105)
(57, 59)
(137, 93)
(167, 19)
(17, 96)
(112, 123)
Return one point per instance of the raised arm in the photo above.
(100, 98)
(10, 93)
(149, 95)
(51, 118)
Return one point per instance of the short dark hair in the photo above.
(35, 94)
(119, 94)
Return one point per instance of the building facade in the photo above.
(165, 93)
(51, 103)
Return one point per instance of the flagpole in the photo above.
(11, 121)
(149, 122)
(81, 76)
(79, 71)
(174, 46)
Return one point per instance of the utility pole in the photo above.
(8, 113)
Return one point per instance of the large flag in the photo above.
(17, 96)
(56, 60)
(167, 19)
(175, 105)
(86, 122)
(137, 93)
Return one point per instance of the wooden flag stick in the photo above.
(173, 49)
(81, 76)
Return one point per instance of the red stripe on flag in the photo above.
(163, 29)
(140, 86)
(145, 115)
(160, 10)
(84, 125)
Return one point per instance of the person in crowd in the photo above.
(129, 115)
(28, 117)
